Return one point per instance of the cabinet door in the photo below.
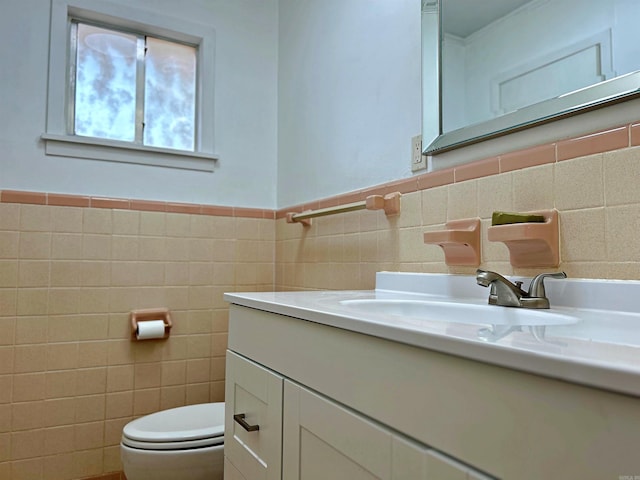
(442, 467)
(253, 398)
(412, 460)
(230, 471)
(323, 440)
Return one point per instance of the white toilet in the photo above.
(184, 443)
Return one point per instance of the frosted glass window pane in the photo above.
(170, 93)
(105, 103)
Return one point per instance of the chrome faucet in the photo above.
(508, 294)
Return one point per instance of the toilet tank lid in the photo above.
(192, 422)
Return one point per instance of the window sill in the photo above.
(114, 151)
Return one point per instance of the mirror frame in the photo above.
(434, 140)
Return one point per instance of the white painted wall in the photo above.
(245, 106)
(313, 98)
(349, 95)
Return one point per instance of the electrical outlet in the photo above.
(418, 161)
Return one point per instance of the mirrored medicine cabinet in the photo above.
(498, 66)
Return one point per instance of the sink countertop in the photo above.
(602, 350)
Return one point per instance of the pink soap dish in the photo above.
(530, 244)
(460, 241)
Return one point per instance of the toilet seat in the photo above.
(186, 445)
(193, 426)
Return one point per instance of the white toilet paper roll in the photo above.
(150, 329)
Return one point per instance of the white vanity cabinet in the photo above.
(355, 406)
(320, 438)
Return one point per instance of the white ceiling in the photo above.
(463, 17)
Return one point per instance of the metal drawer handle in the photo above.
(239, 418)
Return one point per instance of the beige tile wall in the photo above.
(597, 196)
(70, 376)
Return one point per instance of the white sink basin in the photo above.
(412, 310)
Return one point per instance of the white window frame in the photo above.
(60, 142)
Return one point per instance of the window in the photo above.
(122, 88)
(111, 68)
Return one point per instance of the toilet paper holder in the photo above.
(149, 314)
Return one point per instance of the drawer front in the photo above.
(253, 419)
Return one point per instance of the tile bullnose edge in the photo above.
(436, 284)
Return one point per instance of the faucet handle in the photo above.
(536, 288)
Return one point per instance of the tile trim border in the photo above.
(596, 142)
(64, 200)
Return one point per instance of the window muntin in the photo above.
(133, 88)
